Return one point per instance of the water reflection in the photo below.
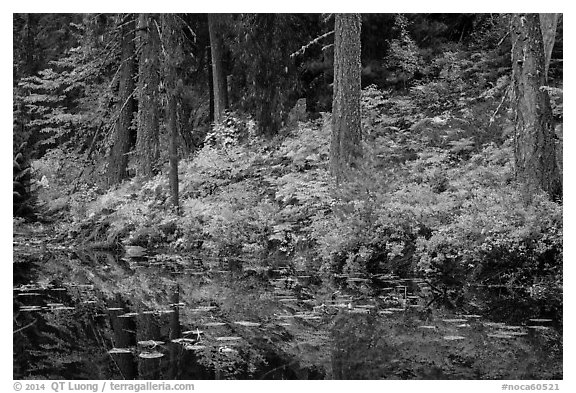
(99, 315)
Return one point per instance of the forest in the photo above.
(287, 196)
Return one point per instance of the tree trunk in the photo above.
(148, 104)
(118, 160)
(534, 147)
(345, 146)
(210, 86)
(171, 60)
(548, 23)
(219, 79)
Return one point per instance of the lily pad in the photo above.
(500, 335)
(203, 308)
(119, 350)
(62, 308)
(512, 333)
(453, 338)
(30, 308)
(150, 343)
(538, 327)
(184, 340)
(214, 324)
(128, 315)
(247, 323)
(151, 355)
(194, 347)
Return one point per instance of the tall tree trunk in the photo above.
(148, 103)
(548, 24)
(345, 146)
(534, 147)
(171, 60)
(118, 160)
(210, 86)
(219, 79)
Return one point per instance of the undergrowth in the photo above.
(433, 198)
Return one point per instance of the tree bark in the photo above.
(345, 146)
(148, 100)
(219, 86)
(171, 61)
(548, 24)
(118, 160)
(534, 147)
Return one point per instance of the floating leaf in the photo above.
(30, 308)
(500, 335)
(247, 323)
(214, 324)
(512, 333)
(194, 347)
(184, 340)
(494, 324)
(150, 343)
(128, 315)
(62, 308)
(288, 299)
(160, 312)
(203, 308)
(119, 350)
(538, 327)
(151, 355)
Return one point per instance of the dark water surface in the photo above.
(87, 315)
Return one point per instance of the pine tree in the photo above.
(345, 147)
(118, 159)
(534, 147)
(172, 59)
(219, 86)
(147, 152)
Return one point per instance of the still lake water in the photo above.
(89, 315)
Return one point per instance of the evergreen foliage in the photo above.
(434, 194)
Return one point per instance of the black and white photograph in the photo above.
(287, 196)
